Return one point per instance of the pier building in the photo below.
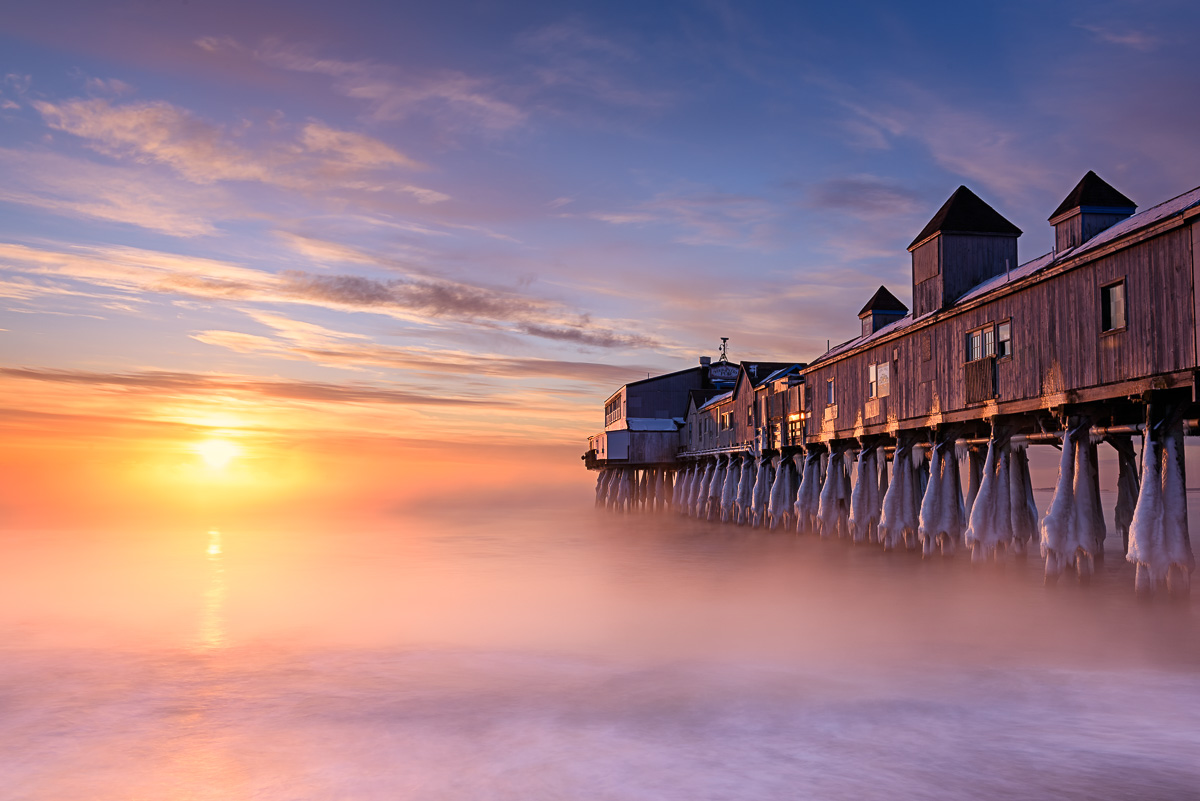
(1094, 343)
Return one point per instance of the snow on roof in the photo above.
(651, 424)
(836, 350)
(997, 281)
(1176, 205)
(1145, 219)
(713, 401)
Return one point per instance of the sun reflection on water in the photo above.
(212, 617)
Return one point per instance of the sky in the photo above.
(318, 250)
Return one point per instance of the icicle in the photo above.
(1061, 538)
(860, 496)
(733, 475)
(762, 492)
(828, 510)
(601, 486)
(1175, 517)
(974, 479)
(712, 506)
(1023, 510)
(745, 490)
(844, 491)
(682, 480)
(1158, 537)
(931, 512)
(897, 497)
(781, 493)
(940, 523)
(990, 524)
(700, 494)
(1127, 485)
(882, 494)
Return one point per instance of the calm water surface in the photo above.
(551, 651)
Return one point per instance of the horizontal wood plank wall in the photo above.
(1056, 341)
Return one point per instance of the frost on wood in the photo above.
(899, 521)
(733, 476)
(1158, 536)
(745, 492)
(808, 496)
(1068, 531)
(990, 523)
(865, 499)
(1022, 506)
(762, 492)
(1128, 485)
(940, 526)
(779, 503)
(831, 506)
(700, 494)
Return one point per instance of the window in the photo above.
(1112, 307)
(830, 397)
(1004, 340)
(726, 421)
(884, 378)
(750, 415)
(872, 381)
(981, 343)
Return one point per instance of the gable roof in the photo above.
(1092, 190)
(965, 213)
(883, 301)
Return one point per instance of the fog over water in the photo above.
(545, 649)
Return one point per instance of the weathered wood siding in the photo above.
(969, 260)
(663, 396)
(1056, 340)
(927, 283)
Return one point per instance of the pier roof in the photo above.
(1093, 191)
(965, 213)
(1155, 214)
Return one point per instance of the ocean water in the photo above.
(547, 650)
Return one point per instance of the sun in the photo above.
(217, 453)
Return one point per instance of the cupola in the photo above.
(1092, 206)
(966, 243)
(882, 309)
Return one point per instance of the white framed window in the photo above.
(1112, 307)
(872, 381)
(830, 395)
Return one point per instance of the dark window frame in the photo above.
(1009, 355)
(1106, 307)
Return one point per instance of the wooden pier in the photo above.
(1095, 342)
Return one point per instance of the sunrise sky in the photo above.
(321, 250)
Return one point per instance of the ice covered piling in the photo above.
(990, 524)
(1158, 536)
(832, 507)
(808, 495)
(1022, 507)
(900, 519)
(779, 505)
(700, 493)
(866, 501)
(733, 476)
(745, 490)
(762, 492)
(1068, 536)
(1128, 486)
(940, 526)
(712, 509)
